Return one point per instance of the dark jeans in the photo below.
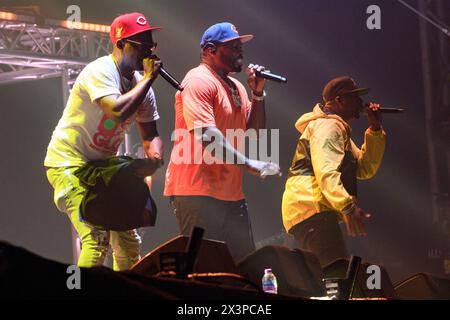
(222, 220)
(321, 235)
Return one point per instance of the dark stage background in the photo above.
(309, 41)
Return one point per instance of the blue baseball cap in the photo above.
(223, 32)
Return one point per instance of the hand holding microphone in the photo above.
(374, 112)
(366, 106)
(261, 72)
(255, 83)
(151, 66)
(373, 115)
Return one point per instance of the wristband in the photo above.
(259, 98)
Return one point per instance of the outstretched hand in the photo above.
(263, 169)
(354, 222)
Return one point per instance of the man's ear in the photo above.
(212, 47)
(338, 99)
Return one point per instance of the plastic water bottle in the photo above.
(269, 282)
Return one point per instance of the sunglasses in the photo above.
(144, 45)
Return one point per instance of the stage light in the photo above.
(7, 16)
(85, 26)
(64, 23)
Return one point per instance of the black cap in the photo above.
(340, 86)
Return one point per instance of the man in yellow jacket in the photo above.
(321, 186)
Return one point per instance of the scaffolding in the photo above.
(436, 81)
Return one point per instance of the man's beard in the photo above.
(237, 65)
(234, 63)
(132, 64)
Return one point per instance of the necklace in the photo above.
(235, 96)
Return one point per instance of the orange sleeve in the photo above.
(198, 103)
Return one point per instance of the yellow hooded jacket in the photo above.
(315, 182)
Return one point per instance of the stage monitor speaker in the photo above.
(338, 269)
(298, 272)
(424, 286)
(25, 276)
(213, 256)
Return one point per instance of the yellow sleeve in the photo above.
(327, 145)
(371, 153)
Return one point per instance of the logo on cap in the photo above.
(141, 20)
(119, 32)
(233, 28)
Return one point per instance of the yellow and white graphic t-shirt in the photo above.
(85, 132)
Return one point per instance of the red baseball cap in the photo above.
(128, 25)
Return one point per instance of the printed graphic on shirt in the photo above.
(109, 133)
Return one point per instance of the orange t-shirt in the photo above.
(205, 102)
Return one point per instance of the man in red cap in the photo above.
(321, 186)
(208, 194)
(107, 97)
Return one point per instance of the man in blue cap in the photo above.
(209, 195)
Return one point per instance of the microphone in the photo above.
(166, 75)
(391, 110)
(170, 79)
(383, 110)
(270, 76)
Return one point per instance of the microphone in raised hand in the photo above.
(267, 74)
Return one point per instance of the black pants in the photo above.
(222, 220)
(321, 235)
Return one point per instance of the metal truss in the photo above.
(435, 47)
(30, 51)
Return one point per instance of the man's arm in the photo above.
(198, 112)
(371, 153)
(259, 168)
(327, 147)
(121, 107)
(257, 117)
(151, 140)
(152, 147)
